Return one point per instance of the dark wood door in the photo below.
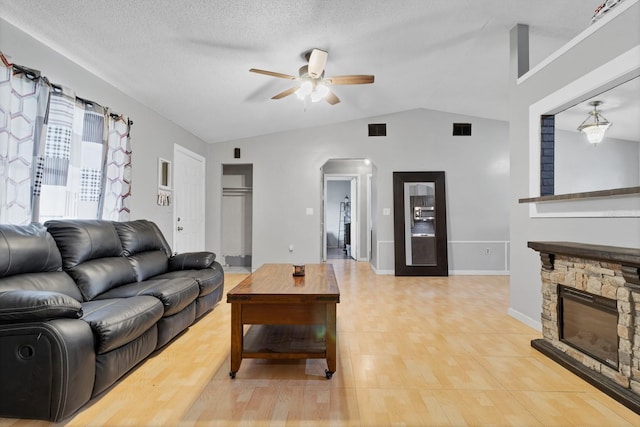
(420, 224)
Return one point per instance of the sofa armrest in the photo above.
(33, 306)
(191, 261)
(47, 369)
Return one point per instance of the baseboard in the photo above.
(537, 325)
(382, 272)
(479, 272)
(604, 384)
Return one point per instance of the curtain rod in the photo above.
(33, 74)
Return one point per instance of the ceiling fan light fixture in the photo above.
(595, 125)
(311, 82)
(305, 89)
(319, 92)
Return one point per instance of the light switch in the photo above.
(386, 211)
(309, 211)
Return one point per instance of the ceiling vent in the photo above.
(377, 129)
(462, 129)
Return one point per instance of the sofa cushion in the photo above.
(165, 245)
(27, 249)
(149, 264)
(138, 236)
(99, 275)
(209, 279)
(175, 294)
(57, 281)
(81, 240)
(32, 306)
(116, 322)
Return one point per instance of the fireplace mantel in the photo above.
(628, 258)
(605, 272)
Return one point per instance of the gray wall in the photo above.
(152, 135)
(582, 167)
(610, 41)
(288, 180)
(287, 177)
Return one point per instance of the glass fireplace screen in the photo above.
(589, 323)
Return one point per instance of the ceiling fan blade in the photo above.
(359, 79)
(317, 61)
(331, 98)
(273, 74)
(285, 93)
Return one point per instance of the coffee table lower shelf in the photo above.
(285, 342)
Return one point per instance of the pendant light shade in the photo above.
(595, 125)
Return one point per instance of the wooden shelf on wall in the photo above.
(581, 196)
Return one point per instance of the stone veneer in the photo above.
(602, 279)
(606, 271)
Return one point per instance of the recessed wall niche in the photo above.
(578, 166)
(605, 202)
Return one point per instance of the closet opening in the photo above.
(237, 217)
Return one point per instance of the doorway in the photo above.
(237, 217)
(346, 225)
(339, 217)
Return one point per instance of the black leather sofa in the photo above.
(82, 302)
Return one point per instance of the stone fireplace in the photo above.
(597, 288)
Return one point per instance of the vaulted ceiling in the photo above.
(189, 60)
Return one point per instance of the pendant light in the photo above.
(595, 125)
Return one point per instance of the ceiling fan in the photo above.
(312, 82)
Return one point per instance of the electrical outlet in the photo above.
(290, 248)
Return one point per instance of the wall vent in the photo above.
(462, 129)
(377, 129)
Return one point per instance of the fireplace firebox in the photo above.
(589, 323)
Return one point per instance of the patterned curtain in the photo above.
(60, 156)
(92, 158)
(23, 103)
(74, 158)
(58, 195)
(117, 194)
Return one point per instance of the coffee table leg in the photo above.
(331, 339)
(236, 338)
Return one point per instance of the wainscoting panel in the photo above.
(478, 257)
(465, 257)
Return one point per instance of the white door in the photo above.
(189, 199)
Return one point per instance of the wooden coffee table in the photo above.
(292, 317)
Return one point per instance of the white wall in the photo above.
(618, 34)
(152, 135)
(581, 166)
(288, 180)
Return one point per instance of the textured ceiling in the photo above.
(189, 60)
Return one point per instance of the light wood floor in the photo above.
(411, 352)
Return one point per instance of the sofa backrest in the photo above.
(145, 246)
(92, 254)
(30, 260)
